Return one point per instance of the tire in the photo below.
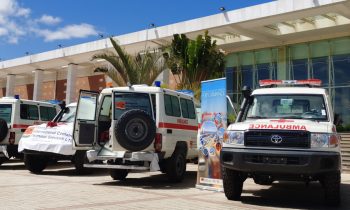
(233, 184)
(118, 174)
(79, 160)
(3, 160)
(35, 163)
(176, 165)
(331, 184)
(3, 129)
(135, 130)
(162, 166)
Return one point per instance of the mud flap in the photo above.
(3, 150)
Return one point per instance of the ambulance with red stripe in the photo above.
(137, 128)
(15, 116)
(284, 131)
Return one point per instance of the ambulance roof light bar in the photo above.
(308, 82)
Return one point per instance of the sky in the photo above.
(35, 26)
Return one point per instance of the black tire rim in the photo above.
(136, 129)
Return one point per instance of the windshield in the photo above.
(69, 114)
(127, 101)
(288, 107)
(5, 112)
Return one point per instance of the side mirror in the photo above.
(246, 91)
(66, 110)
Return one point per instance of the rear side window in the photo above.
(29, 112)
(5, 112)
(172, 105)
(187, 108)
(47, 113)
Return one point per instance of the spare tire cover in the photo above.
(3, 129)
(135, 130)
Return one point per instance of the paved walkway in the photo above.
(59, 188)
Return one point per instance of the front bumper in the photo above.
(260, 161)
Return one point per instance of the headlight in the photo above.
(324, 140)
(234, 137)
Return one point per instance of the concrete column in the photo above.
(70, 88)
(282, 64)
(10, 85)
(38, 79)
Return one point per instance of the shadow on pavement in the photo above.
(67, 169)
(155, 182)
(294, 195)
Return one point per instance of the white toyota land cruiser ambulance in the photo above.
(137, 128)
(283, 133)
(15, 116)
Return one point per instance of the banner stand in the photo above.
(210, 134)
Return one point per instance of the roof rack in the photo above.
(306, 82)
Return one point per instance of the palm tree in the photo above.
(143, 68)
(193, 61)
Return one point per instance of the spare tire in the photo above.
(135, 130)
(3, 129)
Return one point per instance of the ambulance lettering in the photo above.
(277, 127)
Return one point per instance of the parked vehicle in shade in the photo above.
(283, 133)
(15, 116)
(137, 128)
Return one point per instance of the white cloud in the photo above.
(49, 20)
(68, 32)
(16, 22)
(3, 31)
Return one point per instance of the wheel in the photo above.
(35, 163)
(79, 160)
(331, 184)
(176, 166)
(3, 160)
(3, 129)
(233, 184)
(135, 130)
(118, 174)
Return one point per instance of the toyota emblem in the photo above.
(276, 139)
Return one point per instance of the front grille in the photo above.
(276, 159)
(290, 139)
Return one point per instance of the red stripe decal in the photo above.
(20, 126)
(177, 126)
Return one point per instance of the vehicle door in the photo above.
(85, 123)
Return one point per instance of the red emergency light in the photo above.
(269, 82)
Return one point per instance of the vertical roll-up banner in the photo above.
(210, 134)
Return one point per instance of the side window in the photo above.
(29, 112)
(191, 110)
(106, 109)
(184, 108)
(47, 113)
(167, 104)
(187, 108)
(172, 105)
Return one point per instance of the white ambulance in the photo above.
(283, 133)
(15, 116)
(137, 128)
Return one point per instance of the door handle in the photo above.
(169, 131)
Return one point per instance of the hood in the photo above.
(283, 124)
